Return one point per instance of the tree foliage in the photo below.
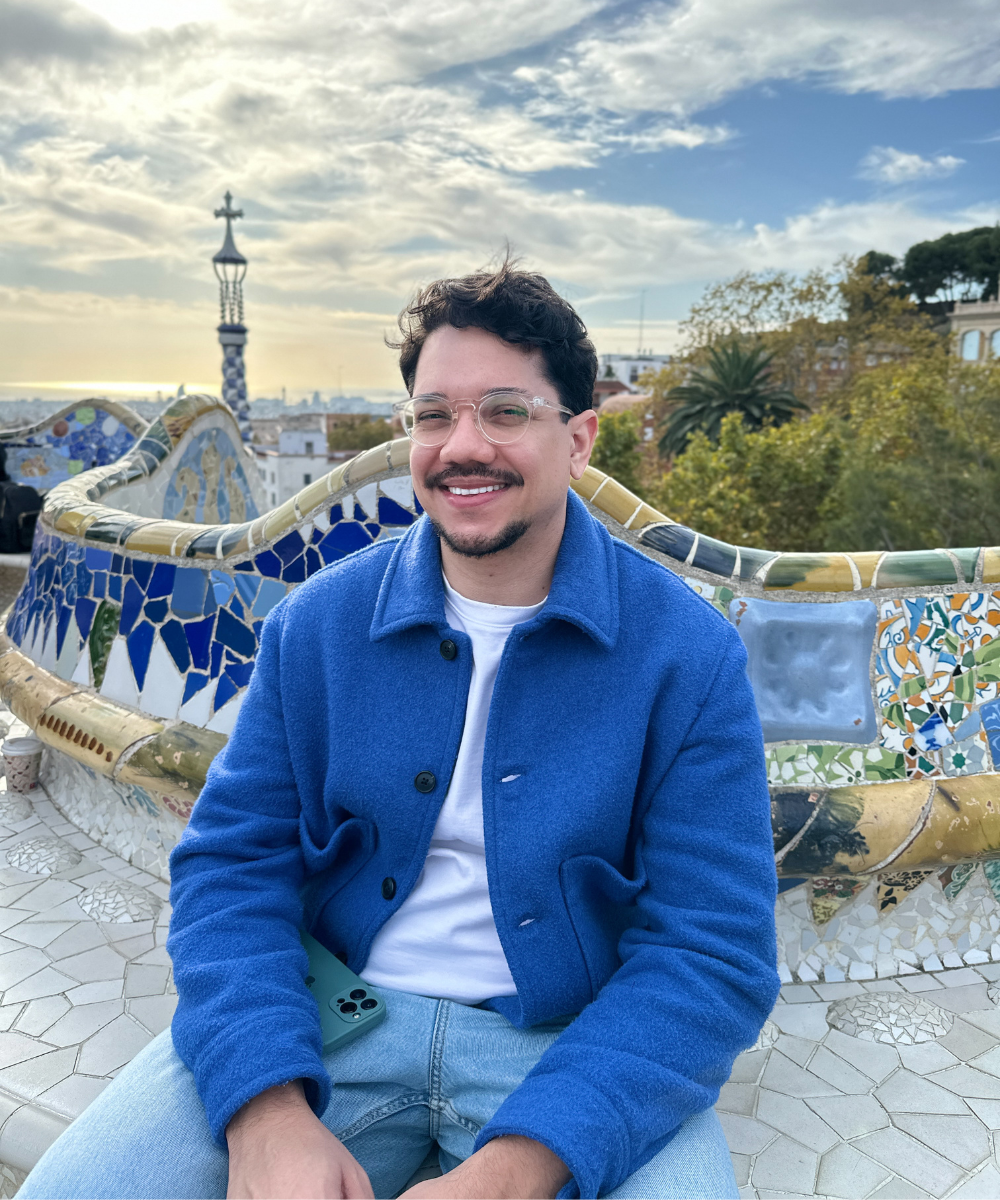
(910, 461)
(955, 266)
(737, 378)
(360, 434)
(616, 451)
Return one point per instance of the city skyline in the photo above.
(626, 150)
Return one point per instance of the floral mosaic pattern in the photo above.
(938, 661)
(173, 639)
(76, 441)
(209, 485)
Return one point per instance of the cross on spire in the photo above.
(228, 211)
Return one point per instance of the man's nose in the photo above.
(465, 442)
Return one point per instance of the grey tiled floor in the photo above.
(79, 996)
(813, 1112)
(819, 1113)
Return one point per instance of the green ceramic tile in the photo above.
(967, 559)
(912, 568)
(752, 560)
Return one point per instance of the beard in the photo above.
(483, 544)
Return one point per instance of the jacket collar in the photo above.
(584, 588)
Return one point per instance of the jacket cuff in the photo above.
(575, 1122)
(235, 1067)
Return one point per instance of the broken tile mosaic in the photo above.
(897, 1019)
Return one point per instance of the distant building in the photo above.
(628, 367)
(976, 327)
(295, 457)
(604, 389)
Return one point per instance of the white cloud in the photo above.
(886, 164)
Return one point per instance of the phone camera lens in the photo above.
(310, 980)
(348, 1007)
(369, 1003)
(358, 994)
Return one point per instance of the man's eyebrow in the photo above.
(500, 389)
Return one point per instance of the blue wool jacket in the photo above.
(636, 836)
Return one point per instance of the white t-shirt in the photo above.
(442, 941)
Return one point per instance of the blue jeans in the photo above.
(432, 1072)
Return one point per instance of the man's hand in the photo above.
(280, 1150)
(508, 1168)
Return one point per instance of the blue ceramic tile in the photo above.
(199, 639)
(236, 608)
(295, 572)
(162, 582)
(345, 538)
(270, 593)
(100, 585)
(235, 635)
(193, 684)
(418, 508)
(239, 673)
(118, 564)
(268, 564)
(115, 587)
(258, 627)
(175, 641)
(289, 547)
(141, 572)
(85, 610)
(187, 598)
(374, 530)
(808, 666)
(225, 690)
(245, 566)
(247, 586)
(391, 513)
(313, 562)
(933, 734)
(140, 643)
(216, 663)
(62, 624)
(98, 560)
(359, 513)
(131, 606)
(155, 610)
(991, 723)
(222, 586)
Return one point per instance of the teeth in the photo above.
(494, 487)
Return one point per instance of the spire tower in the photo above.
(230, 269)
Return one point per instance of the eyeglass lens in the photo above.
(503, 418)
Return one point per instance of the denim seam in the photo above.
(383, 1111)
(456, 1117)
(434, 1067)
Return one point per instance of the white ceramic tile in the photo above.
(119, 682)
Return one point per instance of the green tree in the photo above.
(360, 434)
(737, 380)
(617, 449)
(962, 265)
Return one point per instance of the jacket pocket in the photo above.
(331, 865)
(601, 904)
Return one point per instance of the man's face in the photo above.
(527, 480)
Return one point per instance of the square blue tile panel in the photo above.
(808, 666)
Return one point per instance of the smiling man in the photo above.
(510, 770)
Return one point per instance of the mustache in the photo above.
(476, 470)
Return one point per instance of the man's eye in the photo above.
(428, 416)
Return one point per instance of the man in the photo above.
(510, 769)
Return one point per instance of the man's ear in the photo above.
(583, 430)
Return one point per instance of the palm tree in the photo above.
(737, 380)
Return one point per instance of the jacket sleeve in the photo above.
(697, 977)
(245, 1020)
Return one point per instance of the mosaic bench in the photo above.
(131, 644)
(80, 436)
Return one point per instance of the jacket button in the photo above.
(425, 782)
(388, 887)
(448, 649)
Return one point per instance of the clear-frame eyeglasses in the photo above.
(501, 417)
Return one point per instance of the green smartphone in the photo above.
(348, 1007)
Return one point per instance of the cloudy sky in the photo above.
(622, 147)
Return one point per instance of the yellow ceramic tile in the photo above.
(26, 688)
(810, 573)
(77, 521)
(157, 537)
(866, 561)
(645, 516)
(991, 564)
(964, 823)
(185, 536)
(617, 501)
(365, 465)
(279, 520)
(313, 495)
(93, 729)
(399, 452)
(588, 483)
(174, 762)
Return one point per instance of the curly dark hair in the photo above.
(520, 307)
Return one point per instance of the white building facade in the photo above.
(629, 367)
